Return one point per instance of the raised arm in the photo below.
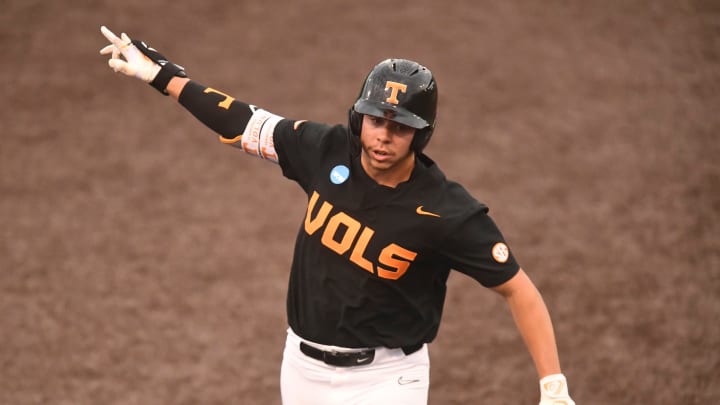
(225, 115)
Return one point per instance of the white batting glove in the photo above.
(136, 64)
(554, 391)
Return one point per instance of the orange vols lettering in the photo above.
(352, 228)
(387, 257)
(343, 232)
(359, 250)
(313, 224)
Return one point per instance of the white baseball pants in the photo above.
(393, 378)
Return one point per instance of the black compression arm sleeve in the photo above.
(220, 112)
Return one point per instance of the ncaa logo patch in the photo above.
(500, 252)
(339, 174)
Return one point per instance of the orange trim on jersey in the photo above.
(230, 141)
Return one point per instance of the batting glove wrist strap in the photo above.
(134, 58)
(167, 71)
(554, 390)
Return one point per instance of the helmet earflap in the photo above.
(421, 139)
(355, 122)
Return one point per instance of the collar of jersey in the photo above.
(415, 177)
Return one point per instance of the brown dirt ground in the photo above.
(144, 263)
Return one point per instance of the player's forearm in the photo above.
(534, 324)
(217, 110)
(176, 86)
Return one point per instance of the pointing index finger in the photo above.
(111, 36)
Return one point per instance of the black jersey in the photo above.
(371, 262)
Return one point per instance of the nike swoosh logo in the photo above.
(403, 381)
(421, 211)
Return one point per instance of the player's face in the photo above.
(386, 154)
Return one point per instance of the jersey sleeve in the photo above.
(478, 249)
(302, 146)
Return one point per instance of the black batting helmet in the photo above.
(402, 91)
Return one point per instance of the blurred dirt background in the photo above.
(142, 262)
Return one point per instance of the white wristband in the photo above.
(257, 139)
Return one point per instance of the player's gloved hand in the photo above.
(554, 391)
(140, 61)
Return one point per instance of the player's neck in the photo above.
(391, 176)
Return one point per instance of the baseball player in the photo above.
(382, 230)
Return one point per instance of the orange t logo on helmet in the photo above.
(395, 86)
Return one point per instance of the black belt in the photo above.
(348, 359)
